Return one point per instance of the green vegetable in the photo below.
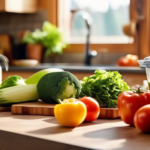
(34, 79)
(50, 37)
(57, 86)
(18, 94)
(105, 87)
(12, 81)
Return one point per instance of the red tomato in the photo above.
(141, 119)
(128, 60)
(129, 102)
(93, 108)
(123, 61)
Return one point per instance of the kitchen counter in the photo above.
(132, 75)
(28, 132)
(79, 68)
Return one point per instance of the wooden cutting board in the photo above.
(41, 108)
(2, 109)
(33, 108)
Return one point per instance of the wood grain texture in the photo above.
(23, 6)
(31, 132)
(109, 113)
(2, 5)
(33, 108)
(41, 108)
(6, 45)
(2, 109)
(51, 7)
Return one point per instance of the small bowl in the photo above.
(25, 62)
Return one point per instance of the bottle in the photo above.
(4, 60)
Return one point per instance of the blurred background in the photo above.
(91, 32)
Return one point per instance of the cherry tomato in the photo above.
(93, 108)
(141, 119)
(129, 102)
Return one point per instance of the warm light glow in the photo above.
(20, 6)
(101, 5)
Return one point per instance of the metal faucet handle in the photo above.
(87, 18)
(93, 53)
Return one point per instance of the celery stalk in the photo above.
(18, 94)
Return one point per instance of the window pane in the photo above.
(108, 17)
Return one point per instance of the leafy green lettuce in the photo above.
(104, 86)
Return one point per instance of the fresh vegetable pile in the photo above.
(129, 102)
(134, 108)
(15, 89)
(105, 87)
(77, 101)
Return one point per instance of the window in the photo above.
(107, 17)
(59, 13)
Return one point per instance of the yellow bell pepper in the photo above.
(70, 113)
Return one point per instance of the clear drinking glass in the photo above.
(148, 77)
(146, 64)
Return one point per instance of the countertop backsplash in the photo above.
(101, 58)
(12, 23)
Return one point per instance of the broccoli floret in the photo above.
(58, 85)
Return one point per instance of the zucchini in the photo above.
(34, 79)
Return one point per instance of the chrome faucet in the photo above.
(89, 54)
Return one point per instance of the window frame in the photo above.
(58, 15)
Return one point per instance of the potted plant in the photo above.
(49, 37)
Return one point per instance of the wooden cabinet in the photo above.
(19, 6)
(131, 79)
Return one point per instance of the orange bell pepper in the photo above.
(70, 113)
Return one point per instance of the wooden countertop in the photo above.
(24, 132)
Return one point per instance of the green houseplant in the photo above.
(50, 37)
